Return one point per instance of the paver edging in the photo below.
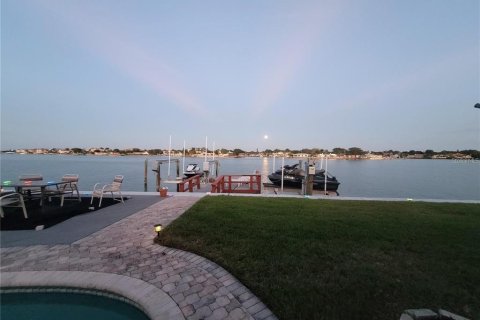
(233, 287)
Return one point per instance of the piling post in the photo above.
(158, 176)
(178, 174)
(145, 181)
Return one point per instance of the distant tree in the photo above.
(355, 151)
(237, 152)
(473, 153)
(428, 154)
(339, 151)
(317, 151)
(155, 151)
(78, 150)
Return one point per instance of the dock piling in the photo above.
(145, 181)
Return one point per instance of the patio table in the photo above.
(28, 186)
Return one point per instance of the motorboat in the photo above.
(293, 176)
(192, 170)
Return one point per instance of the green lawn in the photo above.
(327, 259)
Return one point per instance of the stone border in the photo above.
(154, 302)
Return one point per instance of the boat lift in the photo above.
(210, 170)
(177, 180)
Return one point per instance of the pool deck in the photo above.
(113, 250)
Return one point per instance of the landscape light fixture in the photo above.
(158, 228)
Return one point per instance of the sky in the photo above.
(374, 74)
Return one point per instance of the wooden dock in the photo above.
(268, 189)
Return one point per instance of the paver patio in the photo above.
(200, 288)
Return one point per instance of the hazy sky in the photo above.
(376, 74)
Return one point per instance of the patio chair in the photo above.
(66, 189)
(32, 192)
(31, 177)
(99, 191)
(12, 200)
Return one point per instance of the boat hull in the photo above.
(296, 182)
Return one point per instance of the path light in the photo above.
(158, 228)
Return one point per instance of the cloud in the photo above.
(445, 67)
(110, 40)
(293, 54)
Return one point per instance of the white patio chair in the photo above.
(99, 191)
(12, 200)
(66, 189)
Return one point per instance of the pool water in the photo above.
(65, 305)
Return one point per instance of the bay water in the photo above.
(400, 178)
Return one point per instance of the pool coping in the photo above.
(153, 301)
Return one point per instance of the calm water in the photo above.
(427, 179)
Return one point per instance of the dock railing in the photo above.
(190, 182)
(238, 183)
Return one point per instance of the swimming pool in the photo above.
(66, 303)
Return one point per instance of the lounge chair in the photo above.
(99, 190)
(12, 200)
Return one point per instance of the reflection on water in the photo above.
(265, 170)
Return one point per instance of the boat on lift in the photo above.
(293, 176)
(192, 170)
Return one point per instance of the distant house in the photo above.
(374, 156)
(415, 156)
(300, 155)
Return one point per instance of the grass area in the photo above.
(327, 259)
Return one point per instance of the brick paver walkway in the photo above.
(201, 288)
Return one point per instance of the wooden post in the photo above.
(145, 176)
(178, 174)
(158, 177)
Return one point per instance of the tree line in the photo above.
(353, 151)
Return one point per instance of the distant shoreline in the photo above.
(318, 157)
